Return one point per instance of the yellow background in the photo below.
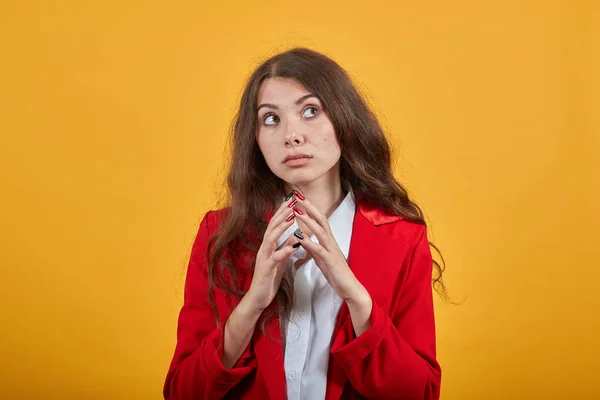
(113, 121)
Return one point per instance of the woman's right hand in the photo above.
(270, 262)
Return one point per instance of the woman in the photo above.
(316, 281)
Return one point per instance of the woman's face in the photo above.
(291, 123)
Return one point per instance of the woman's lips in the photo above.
(297, 162)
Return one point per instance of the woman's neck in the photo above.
(323, 195)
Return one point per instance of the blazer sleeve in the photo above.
(196, 371)
(395, 358)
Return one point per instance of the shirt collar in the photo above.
(341, 222)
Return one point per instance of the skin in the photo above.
(290, 121)
(299, 128)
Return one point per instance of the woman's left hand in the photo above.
(327, 254)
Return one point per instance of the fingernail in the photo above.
(289, 196)
(300, 212)
(290, 217)
(299, 236)
(299, 195)
(296, 245)
(293, 203)
(298, 230)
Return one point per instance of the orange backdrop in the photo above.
(113, 121)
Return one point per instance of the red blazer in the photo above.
(394, 359)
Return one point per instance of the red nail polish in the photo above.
(290, 217)
(293, 203)
(300, 196)
(300, 212)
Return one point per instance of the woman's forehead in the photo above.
(282, 90)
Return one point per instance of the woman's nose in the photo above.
(292, 135)
(293, 139)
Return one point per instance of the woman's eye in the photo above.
(310, 112)
(271, 119)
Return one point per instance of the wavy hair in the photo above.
(253, 190)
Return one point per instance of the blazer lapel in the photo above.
(369, 247)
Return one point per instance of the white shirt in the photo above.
(316, 306)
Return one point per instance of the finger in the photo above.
(309, 208)
(289, 240)
(279, 215)
(271, 237)
(315, 228)
(286, 251)
(315, 249)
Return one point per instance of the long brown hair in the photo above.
(253, 190)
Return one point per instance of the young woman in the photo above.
(316, 281)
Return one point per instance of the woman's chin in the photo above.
(299, 177)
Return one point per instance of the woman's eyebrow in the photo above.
(300, 100)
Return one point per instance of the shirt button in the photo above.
(301, 316)
(292, 375)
